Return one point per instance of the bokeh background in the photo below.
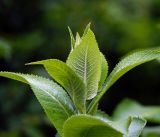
(37, 29)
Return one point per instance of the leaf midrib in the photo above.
(56, 101)
(85, 65)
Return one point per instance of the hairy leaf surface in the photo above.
(85, 61)
(51, 96)
(65, 76)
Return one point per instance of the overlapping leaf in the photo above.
(65, 76)
(85, 61)
(51, 96)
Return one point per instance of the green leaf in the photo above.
(89, 126)
(131, 108)
(102, 115)
(130, 126)
(99, 126)
(78, 40)
(5, 49)
(72, 39)
(85, 61)
(151, 132)
(57, 135)
(104, 71)
(65, 76)
(135, 128)
(132, 60)
(86, 30)
(51, 96)
(129, 62)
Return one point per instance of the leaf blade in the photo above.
(52, 97)
(129, 107)
(104, 71)
(88, 126)
(65, 76)
(84, 60)
(129, 62)
(72, 39)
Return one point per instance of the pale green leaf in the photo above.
(130, 126)
(136, 127)
(85, 61)
(102, 115)
(72, 38)
(129, 62)
(86, 29)
(104, 71)
(78, 40)
(129, 107)
(65, 76)
(151, 132)
(51, 96)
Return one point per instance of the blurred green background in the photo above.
(37, 29)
